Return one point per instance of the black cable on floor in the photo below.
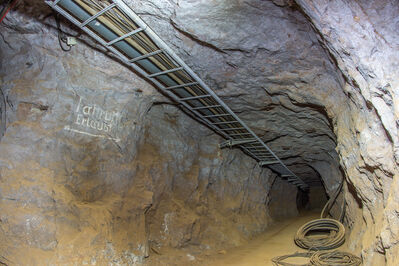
(280, 259)
(323, 233)
(328, 258)
(320, 234)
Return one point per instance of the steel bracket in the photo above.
(233, 142)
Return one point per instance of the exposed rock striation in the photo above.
(362, 37)
(98, 167)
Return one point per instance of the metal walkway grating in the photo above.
(114, 24)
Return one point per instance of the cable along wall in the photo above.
(115, 25)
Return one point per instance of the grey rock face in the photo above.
(321, 90)
(97, 166)
(362, 37)
(268, 67)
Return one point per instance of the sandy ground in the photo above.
(277, 241)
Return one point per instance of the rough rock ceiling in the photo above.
(265, 62)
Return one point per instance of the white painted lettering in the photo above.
(79, 118)
(95, 119)
(93, 124)
(87, 109)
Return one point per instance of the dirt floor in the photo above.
(278, 240)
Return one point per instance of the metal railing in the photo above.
(115, 26)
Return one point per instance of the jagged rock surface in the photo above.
(362, 37)
(317, 80)
(273, 71)
(98, 167)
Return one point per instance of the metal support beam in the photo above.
(87, 21)
(182, 86)
(206, 107)
(76, 12)
(262, 153)
(233, 142)
(165, 72)
(256, 146)
(261, 158)
(225, 123)
(227, 129)
(195, 97)
(124, 36)
(145, 56)
(241, 134)
(257, 150)
(221, 115)
(265, 156)
(263, 163)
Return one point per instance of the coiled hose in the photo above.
(322, 234)
(280, 259)
(334, 258)
(321, 258)
(331, 233)
(335, 237)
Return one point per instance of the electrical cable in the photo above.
(327, 207)
(330, 232)
(335, 258)
(3, 113)
(61, 35)
(323, 234)
(280, 259)
(10, 6)
(330, 235)
(5, 7)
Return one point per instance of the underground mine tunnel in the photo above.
(168, 132)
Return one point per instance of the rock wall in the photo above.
(309, 69)
(317, 80)
(97, 167)
(282, 199)
(361, 36)
(317, 198)
(305, 69)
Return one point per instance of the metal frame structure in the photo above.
(121, 31)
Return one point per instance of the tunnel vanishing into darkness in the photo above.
(106, 164)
